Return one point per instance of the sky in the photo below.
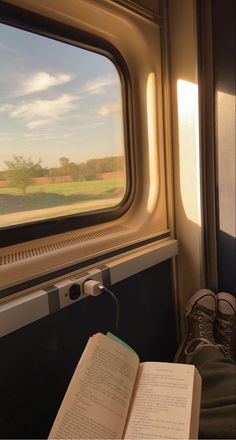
(56, 100)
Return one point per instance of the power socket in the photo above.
(71, 289)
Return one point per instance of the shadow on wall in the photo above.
(227, 263)
(224, 43)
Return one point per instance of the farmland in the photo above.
(54, 199)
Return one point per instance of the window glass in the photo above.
(61, 129)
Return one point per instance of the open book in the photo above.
(113, 396)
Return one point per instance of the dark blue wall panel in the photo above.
(37, 362)
(224, 62)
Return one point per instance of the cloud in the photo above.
(43, 81)
(42, 111)
(6, 108)
(37, 123)
(8, 138)
(39, 137)
(36, 135)
(7, 48)
(107, 109)
(98, 85)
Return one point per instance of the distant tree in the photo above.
(94, 167)
(74, 171)
(21, 171)
(81, 171)
(39, 171)
(89, 170)
(53, 172)
(2, 177)
(65, 165)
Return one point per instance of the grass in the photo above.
(58, 194)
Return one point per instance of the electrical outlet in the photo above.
(71, 289)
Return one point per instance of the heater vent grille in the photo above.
(57, 245)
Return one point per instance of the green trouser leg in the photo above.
(218, 404)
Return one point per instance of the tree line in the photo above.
(20, 171)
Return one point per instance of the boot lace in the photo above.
(223, 327)
(206, 336)
(205, 324)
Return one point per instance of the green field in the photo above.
(59, 194)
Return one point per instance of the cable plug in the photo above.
(92, 287)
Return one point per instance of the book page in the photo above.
(97, 400)
(162, 402)
(196, 403)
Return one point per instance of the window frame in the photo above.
(21, 18)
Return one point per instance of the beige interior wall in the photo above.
(185, 137)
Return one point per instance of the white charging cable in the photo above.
(95, 288)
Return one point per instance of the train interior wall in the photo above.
(224, 61)
(37, 361)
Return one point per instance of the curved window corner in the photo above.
(63, 145)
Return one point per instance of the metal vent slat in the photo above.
(32, 252)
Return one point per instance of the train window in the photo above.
(62, 144)
(82, 124)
